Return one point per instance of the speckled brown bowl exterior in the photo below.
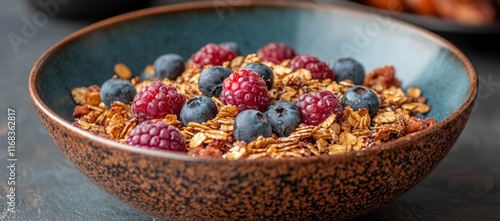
(178, 187)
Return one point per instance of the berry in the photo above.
(348, 68)
(245, 89)
(314, 109)
(319, 69)
(212, 54)
(146, 76)
(250, 124)
(157, 135)
(198, 109)
(264, 71)
(210, 80)
(276, 52)
(156, 100)
(231, 45)
(116, 89)
(168, 66)
(284, 117)
(361, 97)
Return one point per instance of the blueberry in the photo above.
(231, 45)
(210, 81)
(284, 117)
(250, 124)
(264, 71)
(116, 89)
(145, 76)
(348, 68)
(168, 66)
(361, 97)
(198, 109)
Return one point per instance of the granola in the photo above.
(356, 131)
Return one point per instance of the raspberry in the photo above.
(157, 135)
(156, 100)
(319, 69)
(212, 54)
(275, 52)
(245, 89)
(314, 109)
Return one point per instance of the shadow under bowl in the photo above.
(178, 187)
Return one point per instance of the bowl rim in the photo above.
(206, 5)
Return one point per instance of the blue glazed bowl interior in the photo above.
(321, 31)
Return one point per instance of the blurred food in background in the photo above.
(465, 12)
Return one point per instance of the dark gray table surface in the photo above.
(465, 186)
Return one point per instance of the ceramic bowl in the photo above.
(178, 187)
